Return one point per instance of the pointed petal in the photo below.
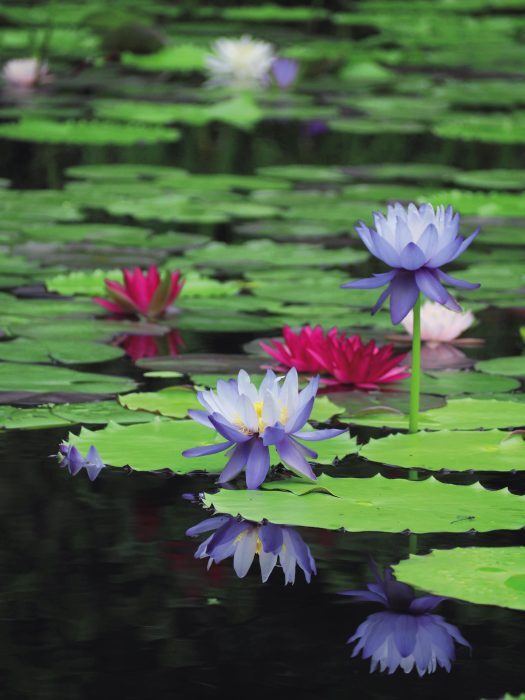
(258, 464)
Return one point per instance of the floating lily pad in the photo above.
(97, 133)
(304, 173)
(376, 505)
(492, 450)
(513, 366)
(458, 414)
(450, 383)
(180, 58)
(158, 445)
(492, 128)
(61, 351)
(480, 575)
(173, 402)
(45, 379)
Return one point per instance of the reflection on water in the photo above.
(139, 346)
(407, 634)
(243, 539)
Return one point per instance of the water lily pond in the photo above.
(262, 325)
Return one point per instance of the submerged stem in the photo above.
(416, 368)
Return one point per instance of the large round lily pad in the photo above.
(482, 575)
(513, 366)
(159, 444)
(376, 505)
(458, 414)
(491, 450)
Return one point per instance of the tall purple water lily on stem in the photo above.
(407, 634)
(415, 243)
(252, 419)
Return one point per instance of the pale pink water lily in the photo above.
(439, 324)
(26, 73)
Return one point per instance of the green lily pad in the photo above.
(496, 179)
(513, 366)
(62, 351)
(97, 133)
(491, 450)
(458, 414)
(492, 128)
(376, 505)
(45, 379)
(180, 58)
(304, 173)
(173, 402)
(480, 575)
(449, 383)
(159, 444)
(263, 253)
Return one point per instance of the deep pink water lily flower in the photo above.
(146, 295)
(346, 359)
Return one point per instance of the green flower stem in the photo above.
(416, 368)
(413, 475)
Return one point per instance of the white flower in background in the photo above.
(26, 72)
(439, 324)
(240, 63)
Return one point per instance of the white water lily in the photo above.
(439, 324)
(26, 72)
(242, 63)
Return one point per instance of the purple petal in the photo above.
(454, 282)
(319, 434)
(244, 553)
(208, 524)
(273, 435)
(227, 430)
(385, 251)
(236, 463)
(425, 603)
(271, 537)
(267, 562)
(206, 450)
(93, 463)
(428, 283)
(404, 295)
(285, 71)
(374, 282)
(292, 456)
(382, 298)
(405, 634)
(258, 464)
(412, 257)
(201, 417)
(301, 417)
(428, 240)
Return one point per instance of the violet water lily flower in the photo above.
(407, 634)
(252, 419)
(415, 243)
(243, 539)
(70, 457)
(285, 72)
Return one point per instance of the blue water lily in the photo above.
(407, 634)
(70, 458)
(243, 539)
(252, 419)
(415, 243)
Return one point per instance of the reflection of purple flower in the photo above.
(285, 72)
(71, 458)
(251, 419)
(416, 243)
(242, 540)
(315, 127)
(407, 634)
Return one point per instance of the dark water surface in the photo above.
(101, 596)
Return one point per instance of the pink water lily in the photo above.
(26, 73)
(146, 295)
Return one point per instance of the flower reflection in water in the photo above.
(407, 634)
(243, 539)
(139, 346)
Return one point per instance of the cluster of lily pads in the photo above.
(123, 259)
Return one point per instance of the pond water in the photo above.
(124, 159)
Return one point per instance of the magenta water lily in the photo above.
(252, 419)
(415, 243)
(407, 634)
(243, 539)
(70, 458)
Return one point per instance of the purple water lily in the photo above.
(243, 539)
(285, 72)
(251, 419)
(406, 634)
(415, 243)
(70, 457)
